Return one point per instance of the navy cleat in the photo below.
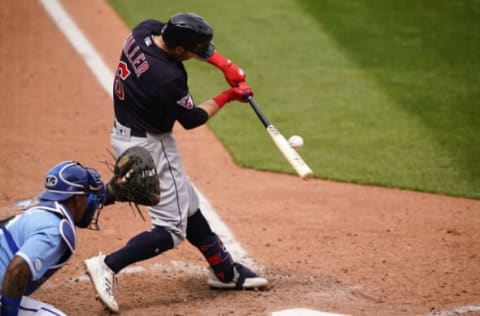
(243, 278)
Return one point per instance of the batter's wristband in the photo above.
(222, 98)
(219, 61)
(10, 306)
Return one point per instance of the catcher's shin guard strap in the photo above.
(211, 247)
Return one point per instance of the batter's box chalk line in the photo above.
(457, 311)
(304, 312)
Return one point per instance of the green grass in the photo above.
(383, 92)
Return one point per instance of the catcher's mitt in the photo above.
(135, 178)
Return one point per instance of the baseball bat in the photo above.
(290, 154)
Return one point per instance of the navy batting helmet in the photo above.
(190, 31)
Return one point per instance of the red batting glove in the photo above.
(233, 73)
(240, 93)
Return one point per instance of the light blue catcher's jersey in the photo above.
(44, 236)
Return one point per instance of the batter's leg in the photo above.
(141, 247)
(225, 273)
(201, 236)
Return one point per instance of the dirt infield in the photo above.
(335, 247)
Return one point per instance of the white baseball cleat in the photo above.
(243, 278)
(102, 278)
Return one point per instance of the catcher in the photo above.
(40, 239)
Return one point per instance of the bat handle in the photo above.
(262, 117)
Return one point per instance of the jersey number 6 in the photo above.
(122, 74)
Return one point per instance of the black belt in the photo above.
(133, 131)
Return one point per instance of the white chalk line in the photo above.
(80, 43)
(105, 77)
(457, 311)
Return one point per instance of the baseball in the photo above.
(295, 141)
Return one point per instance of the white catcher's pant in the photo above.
(178, 198)
(31, 307)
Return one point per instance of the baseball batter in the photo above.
(151, 94)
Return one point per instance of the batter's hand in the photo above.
(234, 75)
(239, 93)
(242, 92)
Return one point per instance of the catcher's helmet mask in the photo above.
(190, 31)
(70, 178)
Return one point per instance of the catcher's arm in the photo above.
(14, 285)
(8, 212)
(109, 197)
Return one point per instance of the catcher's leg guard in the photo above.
(201, 236)
(141, 247)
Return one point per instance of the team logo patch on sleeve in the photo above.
(38, 264)
(186, 102)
